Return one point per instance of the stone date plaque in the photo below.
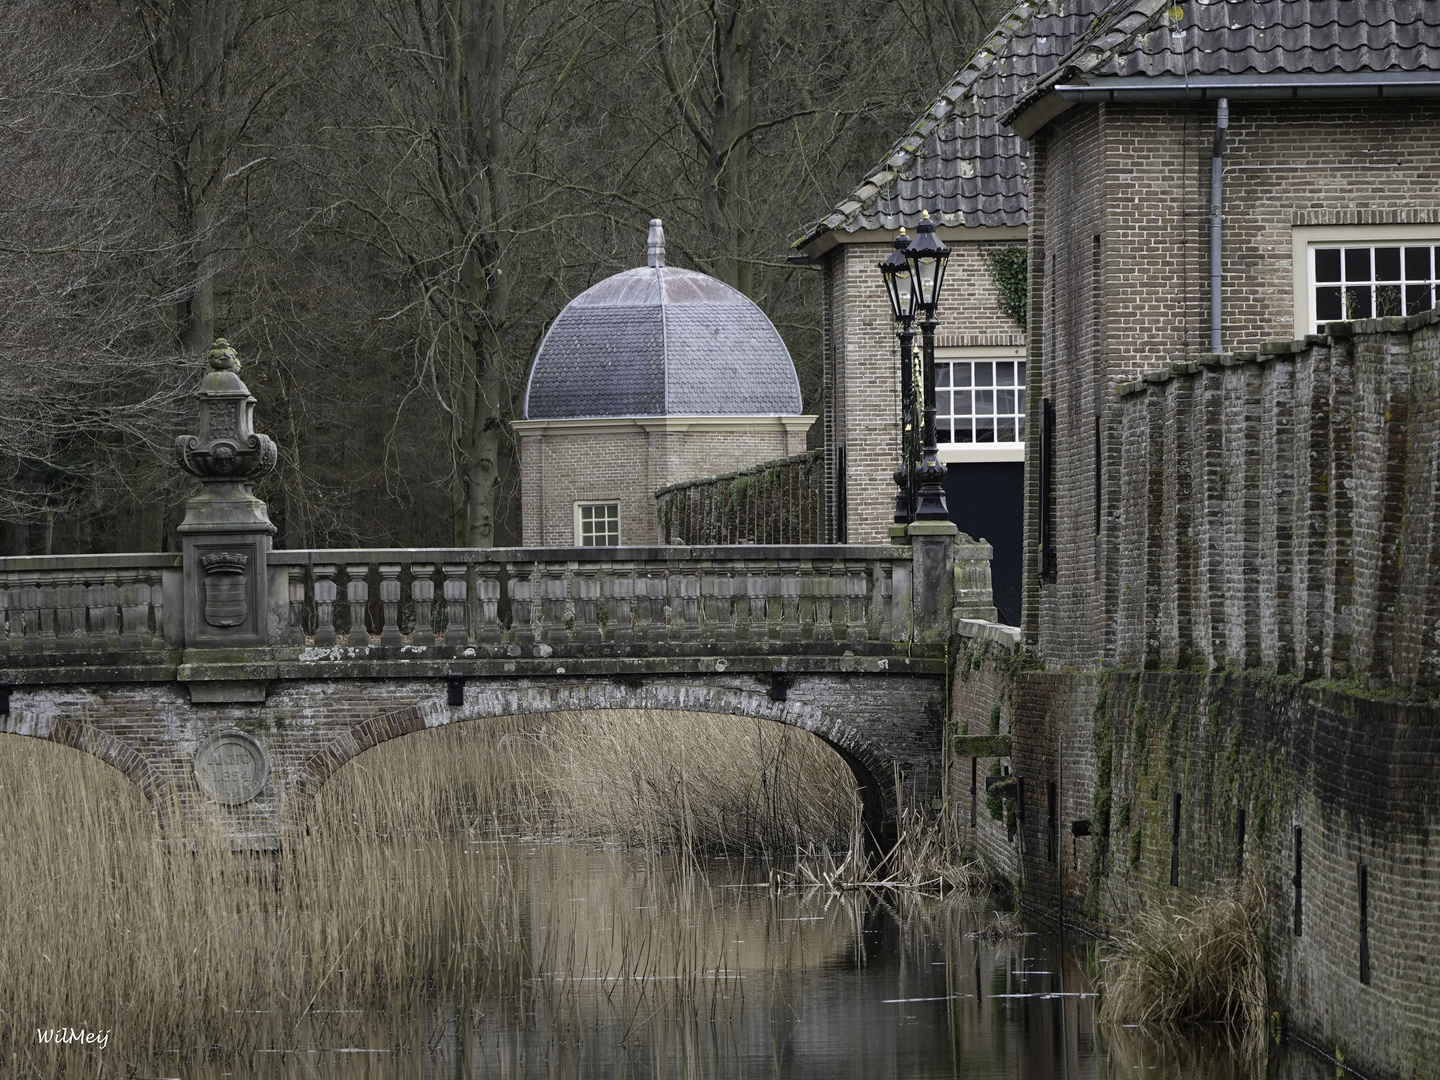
(231, 768)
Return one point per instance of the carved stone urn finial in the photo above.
(228, 449)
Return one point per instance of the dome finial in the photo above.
(655, 246)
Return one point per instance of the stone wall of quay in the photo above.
(1185, 781)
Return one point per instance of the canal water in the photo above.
(629, 966)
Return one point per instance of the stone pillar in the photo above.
(226, 532)
(932, 585)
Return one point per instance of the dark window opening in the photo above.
(1363, 882)
(1297, 878)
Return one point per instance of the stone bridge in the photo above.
(359, 647)
(229, 680)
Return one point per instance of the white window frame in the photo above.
(979, 452)
(1305, 239)
(579, 526)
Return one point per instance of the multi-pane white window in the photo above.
(597, 524)
(1372, 280)
(979, 401)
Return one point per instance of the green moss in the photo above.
(1100, 808)
(993, 726)
(1136, 843)
(1140, 738)
(994, 805)
(1124, 820)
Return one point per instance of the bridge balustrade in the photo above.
(556, 600)
(86, 603)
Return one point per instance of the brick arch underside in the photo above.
(118, 755)
(870, 765)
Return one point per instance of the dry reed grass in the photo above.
(391, 899)
(1203, 966)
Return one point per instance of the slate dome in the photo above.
(661, 341)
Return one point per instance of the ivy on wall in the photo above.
(1008, 272)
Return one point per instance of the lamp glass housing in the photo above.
(928, 256)
(896, 272)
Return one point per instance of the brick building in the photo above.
(1306, 133)
(653, 377)
(963, 166)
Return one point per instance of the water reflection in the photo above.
(626, 967)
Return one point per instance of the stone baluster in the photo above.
(134, 609)
(750, 606)
(719, 587)
(457, 630)
(522, 602)
(640, 603)
(157, 606)
(29, 613)
(325, 592)
(46, 612)
(805, 599)
(295, 594)
(830, 607)
(622, 601)
(657, 589)
(685, 602)
(789, 582)
(14, 614)
(586, 582)
(774, 604)
(103, 631)
(884, 596)
(487, 602)
(857, 595)
(422, 595)
(390, 605)
(66, 624)
(357, 595)
(554, 622)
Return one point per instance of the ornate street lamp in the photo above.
(928, 256)
(896, 272)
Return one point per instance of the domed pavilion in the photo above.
(652, 377)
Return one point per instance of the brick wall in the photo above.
(626, 467)
(1251, 757)
(1119, 207)
(1278, 509)
(862, 368)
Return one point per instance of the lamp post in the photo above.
(927, 256)
(896, 273)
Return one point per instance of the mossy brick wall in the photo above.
(779, 502)
(1278, 509)
(1119, 207)
(861, 367)
(1359, 777)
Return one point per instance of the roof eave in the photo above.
(1041, 107)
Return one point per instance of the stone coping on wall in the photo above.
(980, 630)
(1273, 350)
(674, 553)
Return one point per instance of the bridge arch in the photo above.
(867, 760)
(88, 739)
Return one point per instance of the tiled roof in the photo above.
(958, 161)
(1159, 39)
(964, 164)
(661, 341)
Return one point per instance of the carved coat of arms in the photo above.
(225, 588)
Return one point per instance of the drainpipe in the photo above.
(1217, 169)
